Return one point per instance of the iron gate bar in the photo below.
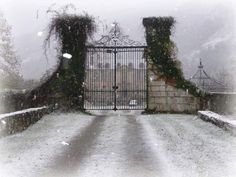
(147, 85)
(115, 85)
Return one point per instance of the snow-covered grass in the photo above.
(119, 144)
(195, 148)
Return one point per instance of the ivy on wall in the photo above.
(72, 32)
(65, 85)
(161, 52)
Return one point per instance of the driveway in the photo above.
(119, 144)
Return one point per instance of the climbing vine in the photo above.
(64, 87)
(72, 32)
(161, 52)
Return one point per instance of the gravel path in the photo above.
(122, 144)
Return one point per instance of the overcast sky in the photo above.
(27, 17)
(21, 14)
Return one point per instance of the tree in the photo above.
(9, 61)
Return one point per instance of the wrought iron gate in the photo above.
(116, 77)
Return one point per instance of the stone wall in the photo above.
(15, 122)
(164, 97)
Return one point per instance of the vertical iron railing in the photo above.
(115, 84)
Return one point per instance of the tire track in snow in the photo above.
(123, 150)
(140, 160)
(157, 147)
(107, 156)
(68, 162)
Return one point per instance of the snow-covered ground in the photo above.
(121, 144)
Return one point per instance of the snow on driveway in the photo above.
(122, 144)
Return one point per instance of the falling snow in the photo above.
(67, 55)
(40, 33)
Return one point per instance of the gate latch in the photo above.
(115, 87)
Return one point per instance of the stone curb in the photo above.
(12, 123)
(217, 120)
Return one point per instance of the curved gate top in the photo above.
(116, 73)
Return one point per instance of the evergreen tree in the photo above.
(9, 63)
